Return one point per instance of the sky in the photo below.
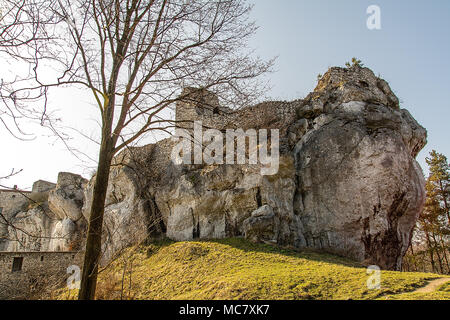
(410, 51)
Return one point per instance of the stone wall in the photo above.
(198, 104)
(11, 203)
(38, 270)
(43, 186)
(202, 105)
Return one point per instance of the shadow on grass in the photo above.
(247, 246)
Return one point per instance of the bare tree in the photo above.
(21, 26)
(12, 173)
(134, 56)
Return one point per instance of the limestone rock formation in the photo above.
(130, 212)
(261, 226)
(359, 188)
(42, 186)
(348, 182)
(30, 230)
(67, 198)
(11, 203)
(46, 219)
(64, 235)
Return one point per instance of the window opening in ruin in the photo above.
(17, 264)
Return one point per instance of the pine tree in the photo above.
(430, 249)
(435, 219)
(438, 183)
(355, 63)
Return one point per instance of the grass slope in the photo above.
(237, 269)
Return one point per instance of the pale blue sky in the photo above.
(411, 51)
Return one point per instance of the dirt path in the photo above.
(432, 285)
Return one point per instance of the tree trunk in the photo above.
(431, 251)
(444, 251)
(123, 278)
(94, 238)
(444, 194)
(436, 246)
(415, 259)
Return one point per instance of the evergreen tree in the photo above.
(355, 63)
(438, 184)
(430, 248)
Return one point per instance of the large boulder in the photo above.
(38, 230)
(67, 199)
(30, 230)
(64, 236)
(360, 189)
(261, 226)
(42, 186)
(12, 202)
(46, 219)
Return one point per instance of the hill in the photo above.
(237, 269)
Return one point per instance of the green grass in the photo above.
(237, 269)
(442, 293)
